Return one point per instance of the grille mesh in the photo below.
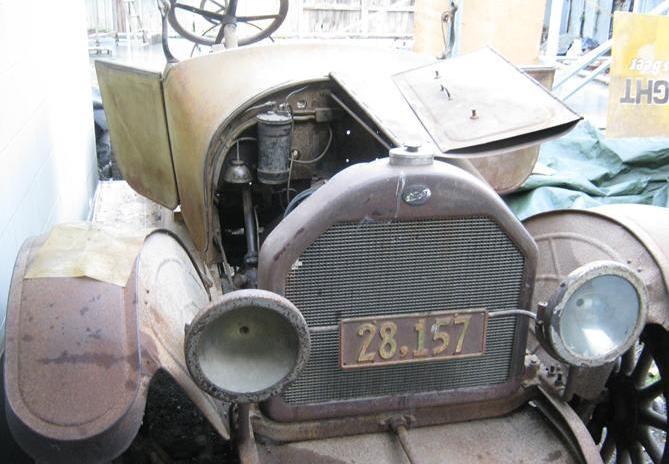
(398, 267)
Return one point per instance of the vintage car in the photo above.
(333, 277)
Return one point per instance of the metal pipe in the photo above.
(164, 7)
(592, 55)
(230, 36)
(588, 78)
(251, 256)
(403, 437)
(552, 43)
(513, 312)
(248, 452)
(582, 62)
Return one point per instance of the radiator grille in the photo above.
(367, 269)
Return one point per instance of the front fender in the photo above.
(80, 353)
(635, 235)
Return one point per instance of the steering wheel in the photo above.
(220, 13)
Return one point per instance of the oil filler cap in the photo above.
(412, 154)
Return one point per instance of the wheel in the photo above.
(218, 13)
(630, 423)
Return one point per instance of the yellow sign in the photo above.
(639, 87)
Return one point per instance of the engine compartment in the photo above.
(306, 129)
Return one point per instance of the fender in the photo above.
(635, 235)
(80, 353)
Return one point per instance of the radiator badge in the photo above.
(416, 195)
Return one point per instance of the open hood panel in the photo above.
(477, 104)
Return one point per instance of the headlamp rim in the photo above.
(233, 301)
(570, 285)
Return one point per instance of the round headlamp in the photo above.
(247, 346)
(596, 314)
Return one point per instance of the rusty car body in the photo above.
(311, 284)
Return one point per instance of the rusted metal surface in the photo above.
(361, 423)
(457, 334)
(171, 291)
(568, 239)
(133, 101)
(198, 111)
(78, 367)
(468, 111)
(197, 114)
(247, 346)
(248, 451)
(634, 235)
(386, 108)
(507, 172)
(200, 114)
(570, 426)
(487, 440)
(399, 425)
(72, 365)
(372, 192)
(650, 225)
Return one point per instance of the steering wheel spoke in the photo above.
(199, 11)
(222, 7)
(219, 13)
(246, 19)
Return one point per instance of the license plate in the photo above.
(411, 338)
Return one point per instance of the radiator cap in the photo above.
(412, 154)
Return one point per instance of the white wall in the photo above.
(47, 147)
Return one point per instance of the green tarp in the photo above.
(584, 169)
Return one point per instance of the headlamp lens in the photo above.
(600, 316)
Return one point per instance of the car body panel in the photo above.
(133, 102)
(630, 234)
(80, 353)
(204, 94)
(460, 442)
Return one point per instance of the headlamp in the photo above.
(596, 314)
(247, 346)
